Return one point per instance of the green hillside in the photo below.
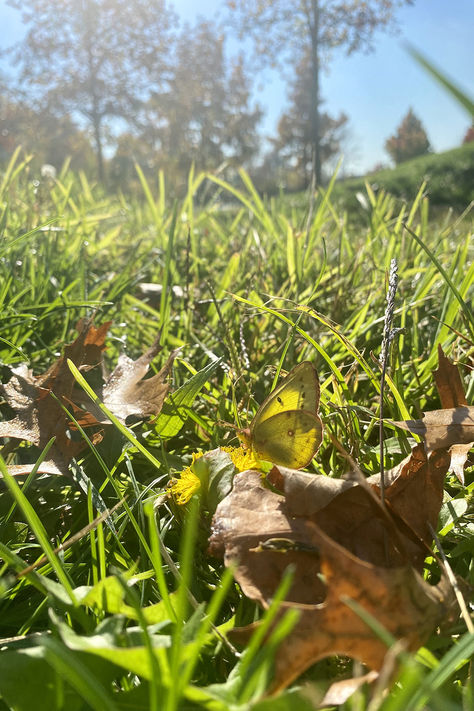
(449, 178)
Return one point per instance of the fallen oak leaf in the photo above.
(38, 400)
(459, 454)
(46, 467)
(414, 496)
(451, 393)
(443, 428)
(126, 393)
(42, 402)
(448, 382)
(261, 532)
(246, 518)
(85, 351)
(414, 493)
(397, 597)
(340, 691)
(253, 514)
(307, 493)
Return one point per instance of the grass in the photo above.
(109, 623)
(446, 178)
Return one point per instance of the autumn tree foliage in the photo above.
(284, 33)
(294, 142)
(93, 58)
(409, 141)
(49, 138)
(469, 135)
(203, 117)
(206, 113)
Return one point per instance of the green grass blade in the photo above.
(69, 667)
(467, 311)
(38, 530)
(456, 92)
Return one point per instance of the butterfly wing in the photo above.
(299, 390)
(290, 438)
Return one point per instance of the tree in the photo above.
(286, 32)
(469, 135)
(92, 58)
(49, 138)
(294, 143)
(409, 141)
(204, 116)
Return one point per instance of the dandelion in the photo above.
(243, 459)
(192, 478)
(48, 171)
(185, 487)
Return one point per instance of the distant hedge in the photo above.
(449, 176)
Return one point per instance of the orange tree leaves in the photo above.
(39, 401)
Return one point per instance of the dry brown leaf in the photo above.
(398, 598)
(340, 691)
(448, 382)
(414, 491)
(46, 467)
(344, 546)
(453, 426)
(252, 514)
(459, 454)
(252, 528)
(37, 400)
(443, 428)
(451, 393)
(126, 394)
(306, 493)
(338, 547)
(414, 495)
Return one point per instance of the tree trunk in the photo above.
(94, 113)
(98, 148)
(315, 118)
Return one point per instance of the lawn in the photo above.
(134, 612)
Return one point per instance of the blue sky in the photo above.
(375, 90)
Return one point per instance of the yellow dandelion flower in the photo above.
(242, 458)
(185, 487)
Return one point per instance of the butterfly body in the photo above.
(287, 429)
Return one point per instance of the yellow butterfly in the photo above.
(287, 429)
